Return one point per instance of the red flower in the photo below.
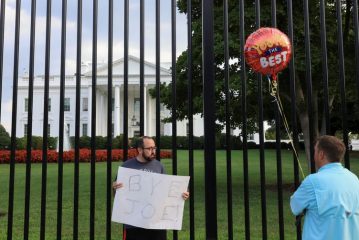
(69, 156)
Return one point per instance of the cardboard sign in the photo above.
(149, 200)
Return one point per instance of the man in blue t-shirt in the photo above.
(145, 161)
(330, 197)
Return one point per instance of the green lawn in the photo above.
(198, 194)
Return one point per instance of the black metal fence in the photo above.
(316, 69)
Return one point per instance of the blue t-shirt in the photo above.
(331, 200)
(153, 166)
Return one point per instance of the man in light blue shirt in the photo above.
(330, 197)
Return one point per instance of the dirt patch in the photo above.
(2, 214)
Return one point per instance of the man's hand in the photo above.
(116, 185)
(185, 195)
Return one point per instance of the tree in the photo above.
(4, 138)
(300, 66)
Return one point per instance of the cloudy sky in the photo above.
(150, 38)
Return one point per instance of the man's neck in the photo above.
(141, 159)
(323, 163)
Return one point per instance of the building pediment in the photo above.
(133, 68)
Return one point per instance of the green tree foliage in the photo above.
(252, 84)
(4, 138)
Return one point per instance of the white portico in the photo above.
(118, 97)
(101, 102)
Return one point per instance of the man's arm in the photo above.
(302, 198)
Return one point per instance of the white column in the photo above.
(105, 111)
(98, 112)
(117, 111)
(145, 119)
(149, 121)
(103, 117)
(89, 112)
(100, 115)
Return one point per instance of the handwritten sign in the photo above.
(149, 200)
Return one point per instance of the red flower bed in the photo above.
(85, 155)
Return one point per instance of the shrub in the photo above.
(198, 142)
(182, 142)
(100, 142)
(252, 145)
(21, 143)
(85, 142)
(237, 143)
(273, 145)
(51, 143)
(117, 142)
(36, 142)
(166, 142)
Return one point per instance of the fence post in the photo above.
(209, 120)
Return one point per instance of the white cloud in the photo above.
(102, 51)
(40, 35)
(70, 66)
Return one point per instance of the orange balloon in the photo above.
(268, 51)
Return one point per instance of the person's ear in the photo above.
(321, 154)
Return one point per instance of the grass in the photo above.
(198, 194)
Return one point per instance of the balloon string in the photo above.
(274, 92)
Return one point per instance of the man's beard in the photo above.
(148, 158)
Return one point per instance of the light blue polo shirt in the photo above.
(331, 200)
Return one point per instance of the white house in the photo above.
(101, 102)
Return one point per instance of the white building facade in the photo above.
(101, 103)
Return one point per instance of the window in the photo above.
(67, 105)
(187, 129)
(136, 133)
(136, 106)
(26, 104)
(136, 112)
(84, 129)
(251, 136)
(49, 105)
(25, 129)
(85, 104)
(68, 129)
